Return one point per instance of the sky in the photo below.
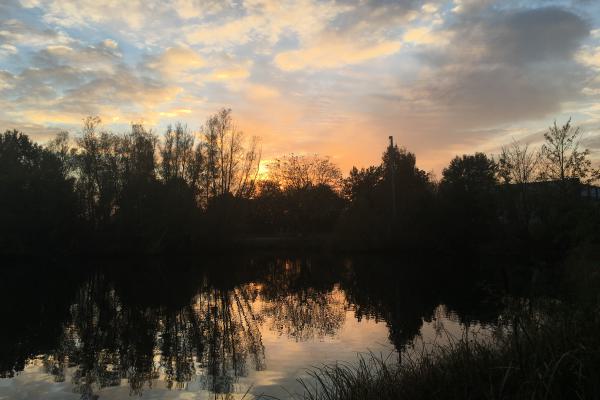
(444, 77)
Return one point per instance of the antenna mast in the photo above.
(393, 176)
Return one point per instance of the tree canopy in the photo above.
(185, 190)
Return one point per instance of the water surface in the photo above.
(190, 329)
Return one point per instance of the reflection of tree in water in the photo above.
(388, 292)
(298, 308)
(230, 335)
(175, 323)
(106, 340)
(307, 314)
(145, 324)
(405, 293)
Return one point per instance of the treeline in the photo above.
(102, 192)
(105, 192)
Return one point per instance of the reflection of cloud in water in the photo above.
(234, 329)
(286, 360)
(108, 343)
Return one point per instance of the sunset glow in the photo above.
(336, 78)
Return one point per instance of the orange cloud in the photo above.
(424, 35)
(261, 92)
(334, 52)
(589, 56)
(175, 61)
(227, 74)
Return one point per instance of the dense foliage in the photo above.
(138, 192)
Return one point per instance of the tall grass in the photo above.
(542, 351)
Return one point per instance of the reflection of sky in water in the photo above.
(225, 330)
(286, 358)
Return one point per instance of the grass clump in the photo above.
(544, 351)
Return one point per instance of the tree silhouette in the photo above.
(38, 209)
(137, 192)
(467, 192)
(389, 204)
(562, 158)
(298, 172)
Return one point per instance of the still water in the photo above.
(218, 328)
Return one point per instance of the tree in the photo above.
(389, 204)
(231, 163)
(517, 167)
(359, 185)
(139, 205)
(518, 164)
(301, 195)
(470, 174)
(468, 201)
(304, 171)
(179, 158)
(137, 152)
(269, 208)
(401, 175)
(97, 164)
(61, 147)
(562, 159)
(38, 209)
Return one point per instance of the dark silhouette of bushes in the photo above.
(135, 192)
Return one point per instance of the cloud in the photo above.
(465, 6)
(502, 67)
(535, 35)
(261, 92)
(85, 12)
(333, 52)
(230, 73)
(109, 43)
(238, 31)
(145, 23)
(17, 33)
(38, 132)
(174, 62)
(425, 35)
(375, 15)
(506, 65)
(6, 80)
(7, 49)
(64, 83)
(123, 87)
(187, 9)
(430, 8)
(175, 112)
(590, 56)
(357, 31)
(264, 23)
(498, 94)
(333, 76)
(224, 70)
(99, 57)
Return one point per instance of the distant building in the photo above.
(585, 190)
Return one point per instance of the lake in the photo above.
(221, 327)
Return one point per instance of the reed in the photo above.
(546, 350)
